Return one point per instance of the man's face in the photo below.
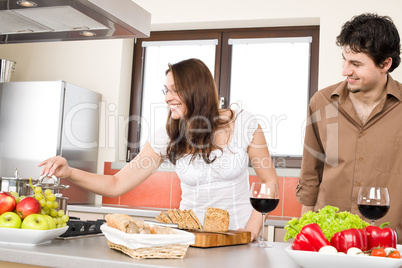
(361, 73)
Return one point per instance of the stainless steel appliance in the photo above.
(39, 120)
(61, 20)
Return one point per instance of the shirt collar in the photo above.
(391, 88)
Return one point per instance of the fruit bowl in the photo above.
(29, 237)
(309, 259)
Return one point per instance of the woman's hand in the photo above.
(56, 166)
(254, 233)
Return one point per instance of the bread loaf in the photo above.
(216, 220)
(185, 219)
(128, 225)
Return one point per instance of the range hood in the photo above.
(61, 20)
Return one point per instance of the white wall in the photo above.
(105, 66)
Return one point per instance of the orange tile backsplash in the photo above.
(162, 190)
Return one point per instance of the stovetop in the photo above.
(82, 228)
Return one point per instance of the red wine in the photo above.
(264, 205)
(373, 212)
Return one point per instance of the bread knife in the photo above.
(176, 226)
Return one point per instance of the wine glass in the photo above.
(373, 202)
(264, 198)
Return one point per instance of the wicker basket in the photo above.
(164, 252)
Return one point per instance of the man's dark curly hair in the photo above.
(374, 35)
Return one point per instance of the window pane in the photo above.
(154, 109)
(271, 80)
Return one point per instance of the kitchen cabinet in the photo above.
(274, 228)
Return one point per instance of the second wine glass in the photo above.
(264, 198)
(373, 202)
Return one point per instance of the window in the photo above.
(270, 64)
(158, 55)
(272, 69)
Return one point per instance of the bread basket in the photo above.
(149, 246)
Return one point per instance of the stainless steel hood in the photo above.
(61, 20)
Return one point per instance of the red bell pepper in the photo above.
(346, 239)
(380, 236)
(310, 238)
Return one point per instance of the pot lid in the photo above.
(52, 183)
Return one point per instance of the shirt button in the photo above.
(360, 158)
(358, 183)
(362, 133)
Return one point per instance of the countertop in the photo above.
(276, 221)
(93, 252)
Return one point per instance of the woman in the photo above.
(210, 148)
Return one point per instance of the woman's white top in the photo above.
(224, 183)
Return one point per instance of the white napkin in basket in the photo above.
(135, 241)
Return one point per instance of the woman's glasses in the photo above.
(166, 90)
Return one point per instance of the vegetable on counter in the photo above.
(310, 238)
(350, 238)
(380, 236)
(329, 219)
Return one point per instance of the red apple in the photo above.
(28, 206)
(7, 202)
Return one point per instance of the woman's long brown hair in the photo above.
(193, 133)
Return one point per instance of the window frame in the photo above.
(222, 77)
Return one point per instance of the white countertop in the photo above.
(93, 252)
(110, 209)
(276, 221)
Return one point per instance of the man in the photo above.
(354, 130)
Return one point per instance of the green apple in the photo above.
(35, 221)
(52, 224)
(10, 220)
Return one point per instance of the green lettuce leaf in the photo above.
(328, 218)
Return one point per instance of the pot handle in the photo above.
(44, 179)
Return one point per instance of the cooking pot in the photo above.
(53, 183)
(7, 68)
(63, 201)
(16, 184)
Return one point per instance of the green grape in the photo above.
(60, 213)
(63, 224)
(53, 213)
(38, 190)
(46, 210)
(59, 220)
(15, 194)
(65, 218)
(42, 202)
(22, 197)
(51, 197)
(48, 192)
(49, 204)
(59, 225)
(55, 204)
(42, 211)
(39, 196)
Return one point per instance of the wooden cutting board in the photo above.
(208, 240)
